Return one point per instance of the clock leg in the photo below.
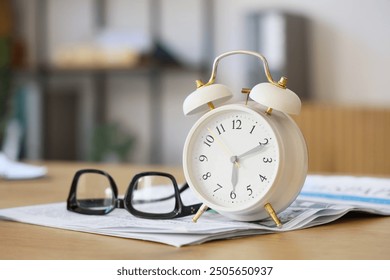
(201, 210)
(272, 213)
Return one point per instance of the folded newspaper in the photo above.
(323, 199)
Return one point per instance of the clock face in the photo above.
(231, 157)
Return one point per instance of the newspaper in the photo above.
(323, 199)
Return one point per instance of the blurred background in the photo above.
(99, 80)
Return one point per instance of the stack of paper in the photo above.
(323, 199)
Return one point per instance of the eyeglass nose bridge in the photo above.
(120, 203)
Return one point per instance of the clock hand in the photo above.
(251, 151)
(234, 180)
(235, 159)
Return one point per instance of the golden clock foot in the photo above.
(201, 210)
(272, 214)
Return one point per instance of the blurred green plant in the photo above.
(110, 143)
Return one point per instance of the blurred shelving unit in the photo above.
(59, 119)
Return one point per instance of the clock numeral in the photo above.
(267, 160)
(249, 189)
(220, 129)
(206, 176)
(209, 140)
(253, 127)
(236, 124)
(203, 158)
(265, 142)
(262, 178)
(218, 188)
(233, 195)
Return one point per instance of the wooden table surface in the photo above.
(358, 236)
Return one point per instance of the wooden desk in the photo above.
(352, 237)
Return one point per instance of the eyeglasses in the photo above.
(150, 195)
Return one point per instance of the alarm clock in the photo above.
(247, 160)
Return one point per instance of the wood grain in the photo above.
(344, 139)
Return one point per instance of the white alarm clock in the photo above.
(247, 161)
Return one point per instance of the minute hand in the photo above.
(251, 151)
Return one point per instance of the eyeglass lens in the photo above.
(154, 194)
(94, 192)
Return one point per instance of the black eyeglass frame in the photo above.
(180, 210)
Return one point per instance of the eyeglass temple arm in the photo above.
(192, 209)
